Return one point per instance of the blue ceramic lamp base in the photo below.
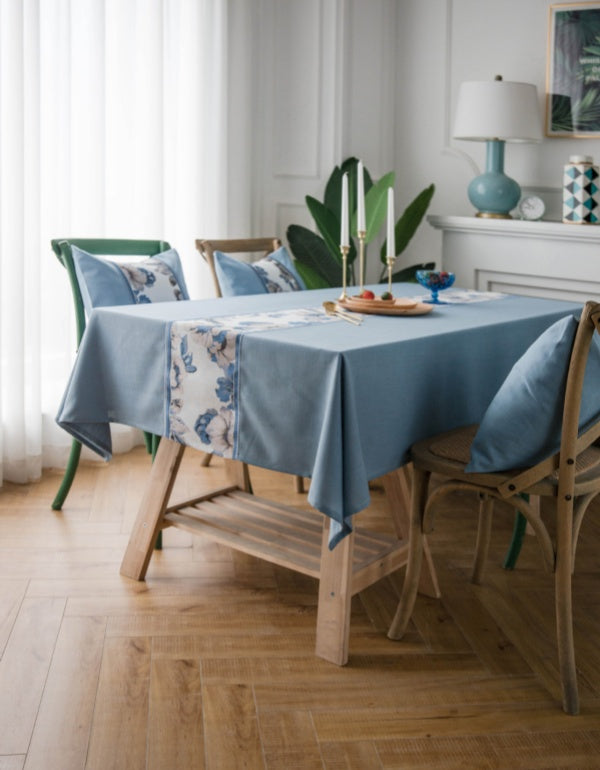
(494, 194)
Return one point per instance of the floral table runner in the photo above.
(464, 296)
(204, 374)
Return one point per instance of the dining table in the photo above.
(272, 380)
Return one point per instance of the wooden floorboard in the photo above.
(210, 662)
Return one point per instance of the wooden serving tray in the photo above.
(399, 306)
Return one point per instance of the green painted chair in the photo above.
(103, 247)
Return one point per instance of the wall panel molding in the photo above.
(297, 88)
(298, 123)
(325, 84)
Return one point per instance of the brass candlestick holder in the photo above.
(344, 250)
(390, 263)
(361, 258)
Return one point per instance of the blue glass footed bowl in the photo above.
(435, 281)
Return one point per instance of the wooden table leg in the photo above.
(152, 508)
(335, 594)
(397, 485)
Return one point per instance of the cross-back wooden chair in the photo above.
(102, 247)
(233, 247)
(570, 478)
(259, 247)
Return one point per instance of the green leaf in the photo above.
(319, 258)
(311, 250)
(375, 206)
(333, 192)
(410, 220)
(328, 223)
(312, 279)
(350, 166)
(329, 227)
(562, 116)
(333, 189)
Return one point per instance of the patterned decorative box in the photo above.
(581, 199)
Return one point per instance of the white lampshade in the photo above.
(497, 109)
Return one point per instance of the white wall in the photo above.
(445, 42)
(325, 90)
(298, 107)
(378, 79)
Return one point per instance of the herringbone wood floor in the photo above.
(210, 664)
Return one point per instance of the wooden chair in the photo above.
(260, 246)
(570, 478)
(255, 246)
(103, 247)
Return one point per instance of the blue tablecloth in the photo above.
(338, 403)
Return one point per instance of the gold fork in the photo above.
(332, 309)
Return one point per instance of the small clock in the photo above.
(531, 207)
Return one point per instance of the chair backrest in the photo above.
(572, 442)
(260, 246)
(102, 247)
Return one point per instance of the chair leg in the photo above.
(484, 532)
(519, 527)
(564, 620)
(238, 473)
(415, 555)
(298, 480)
(70, 470)
(154, 444)
(148, 442)
(514, 549)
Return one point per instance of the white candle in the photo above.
(360, 198)
(344, 232)
(391, 232)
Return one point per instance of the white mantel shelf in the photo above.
(518, 228)
(539, 259)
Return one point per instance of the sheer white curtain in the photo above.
(114, 122)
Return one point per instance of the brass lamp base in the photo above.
(491, 215)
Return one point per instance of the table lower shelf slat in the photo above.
(289, 537)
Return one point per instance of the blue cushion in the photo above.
(158, 278)
(522, 425)
(273, 273)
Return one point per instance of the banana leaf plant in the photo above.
(318, 257)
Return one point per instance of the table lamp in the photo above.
(496, 111)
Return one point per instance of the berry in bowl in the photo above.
(435, 281)
(370, 296)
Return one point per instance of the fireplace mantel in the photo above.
(538, 259)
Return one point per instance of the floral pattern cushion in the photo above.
(275, 276)
(204, 377)
(273, 273)
(151, 280)
(105, 282)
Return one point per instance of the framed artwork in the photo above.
(573, 87)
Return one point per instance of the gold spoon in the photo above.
(351, 314)
(332, 309)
